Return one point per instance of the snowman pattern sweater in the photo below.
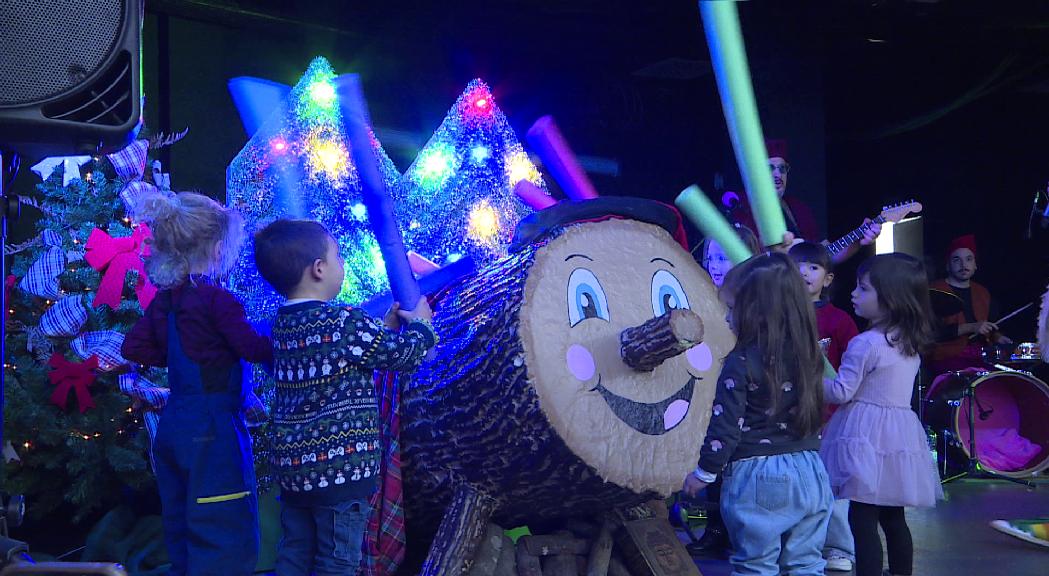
(325, 412)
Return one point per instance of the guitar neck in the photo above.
(852, 237)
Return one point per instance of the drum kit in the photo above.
(990, 420)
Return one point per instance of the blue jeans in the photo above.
(839, 535)
(322, 540)
(776, 509)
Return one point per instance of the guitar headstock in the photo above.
(897, 212)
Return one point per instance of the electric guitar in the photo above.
(893, 213)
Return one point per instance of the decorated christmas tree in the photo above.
(71, 433)
(457, 198)
(298, 165)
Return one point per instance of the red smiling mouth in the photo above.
(652, 419)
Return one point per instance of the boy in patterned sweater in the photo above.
(325, 411)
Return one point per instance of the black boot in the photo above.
(715, 542)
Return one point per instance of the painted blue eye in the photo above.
(586, 297)
(667, 293)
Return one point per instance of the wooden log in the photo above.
(527, 563)
(650, 547)
(647, 346)
(488, 553)
(600, 552)
(507, 565)
(582, 528)
(554, 544)
(616, 567)
(562, 563)
(460, 532)
(492, 409)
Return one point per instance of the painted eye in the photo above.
(586, 297)
(667, 293)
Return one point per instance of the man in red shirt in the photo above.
(799, 218)
(962, 336)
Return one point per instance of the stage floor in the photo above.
(955, 539)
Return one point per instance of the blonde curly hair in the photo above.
(191, 233)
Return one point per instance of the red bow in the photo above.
(116, 257)
(76, 375)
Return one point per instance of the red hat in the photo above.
(967, 241)
(777, 148)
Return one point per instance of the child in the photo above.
(713, 258)
(325, 412)
(833, 324)
(766, 417)
(715, 542)
(199, 331)
(874, 446)
(814, 263)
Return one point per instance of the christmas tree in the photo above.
(457, 198)
(72, 436)
(298, 165)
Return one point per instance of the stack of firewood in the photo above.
(634, 542)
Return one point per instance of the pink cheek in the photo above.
(580, 362)
(700, 357)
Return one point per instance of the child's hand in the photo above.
(693, 485)
(391, 319)
(788, 241)
(422, 311)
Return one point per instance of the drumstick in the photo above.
(1008, 316)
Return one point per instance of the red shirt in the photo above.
(211, 324)
(834, 323)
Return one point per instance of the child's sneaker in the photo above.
(1033, 531)
(838, 562)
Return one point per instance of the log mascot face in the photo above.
(639, 429)
(527, 398)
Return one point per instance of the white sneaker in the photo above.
(839, 563)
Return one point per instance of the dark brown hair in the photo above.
(903, 294)
(772, 312)
(812, 253)
(285, 248)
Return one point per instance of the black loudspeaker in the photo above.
(69, 75)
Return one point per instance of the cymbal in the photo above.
(945, 303)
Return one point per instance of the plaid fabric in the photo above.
(131, 191)
(130, 163)
(151, 399)
(42, 277)
(103, 343)
(65, 318)
(150, 396)
(385, 538)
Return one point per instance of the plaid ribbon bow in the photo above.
(103, 344)
(130, 165)
(65, 318)
(148, 398)
(42, 277)
(115, 257)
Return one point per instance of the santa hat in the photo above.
(967, 241)
(777, 148)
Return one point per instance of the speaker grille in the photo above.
(50, 46)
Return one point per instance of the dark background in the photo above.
(880, 100)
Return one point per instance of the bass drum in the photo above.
(1011, 419)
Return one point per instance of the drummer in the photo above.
(956, 348)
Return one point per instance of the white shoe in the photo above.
(839, 563)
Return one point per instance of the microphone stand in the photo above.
(10, 550)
